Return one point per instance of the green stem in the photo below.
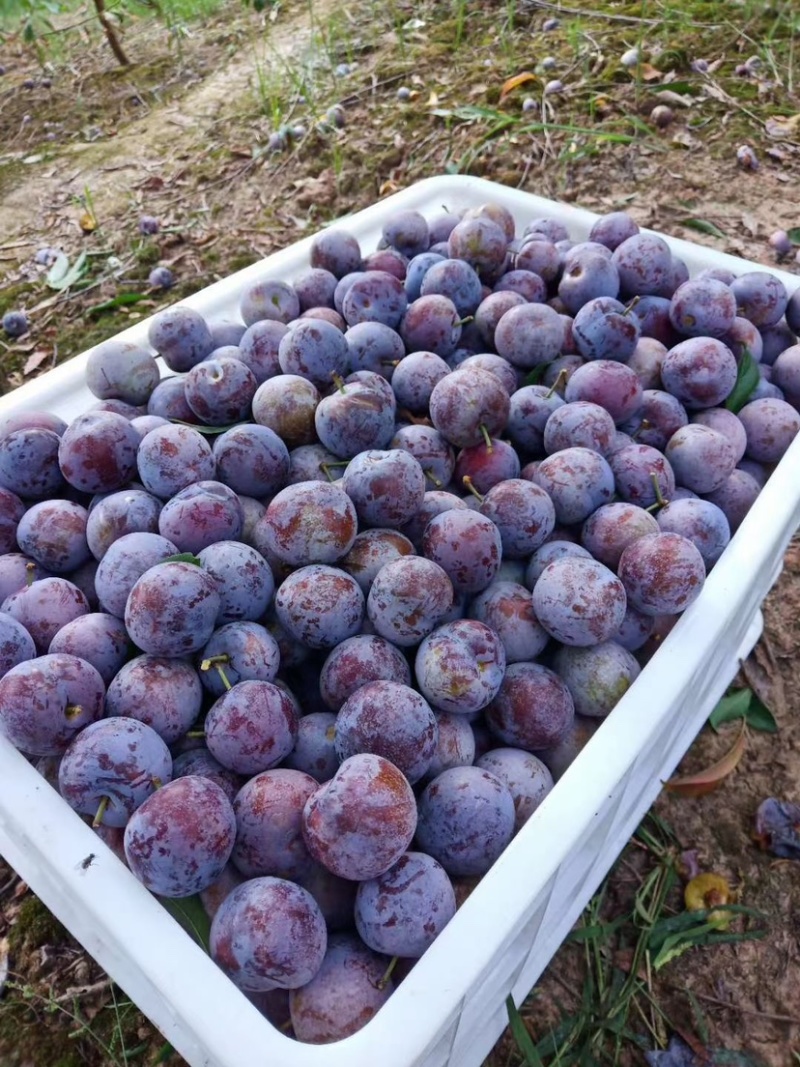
(561, 379)
(487, 438)
(468, 483)
(432, 477)
(387, 974)
(101, 810)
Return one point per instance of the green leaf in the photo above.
(759, 717)
(521, 1036)
(123, 300)
(536, 376)
(794, 235)
(702, 226)
(747, 379)
(190, 913)
(210, 431)
(66, 275)
(731, 707)
(184, 557)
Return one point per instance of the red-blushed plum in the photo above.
(402, 912)
(434, 503)
(760, 297)
(466, 819)
(199, 761)
(577, 480)
(491, 309)
(610, 529)
(529, 335)
(526, 776)
(659, 416)
(431, 324)
(314, 750)
(408, 598)
(771, 425)
(529, 409)
(287, 404)
(181, 337)
(579, 601)
(459, 667)
(258, 348)
(702, 522)
(647, 359)
(16, 644)
(172, 457)
(172, 609)
(269, 814)
(315, 350)
(220, 390)
(213, 896)
(507, 608)
(11, 511)
(320, 606)
(97, 452)
(178, 841)
(416, 270)
(585, 278)
(29, 463)
(357, 661)
(128, 511)
(201, 515)
(44, 607)
(703, 307)
(124, 562)
(168, 401)
(455, 744)
(613, 386)
(457, 280)
(98, 638)
(360, 823)
(347, 991)
(53, 534)
(603, 330)
(579, 424)
(637, 470)
(786, 373)
(269, 933)
(252, 727)
(310, 522)
(481, 242)
(596, 677)
(244, 580)
(164, 693)
(386, 487)
(467, 546)
(388, 719)
(744, 336)
(468, 404)
(508, 375)
(371, 551)
(111, 767)
(407, 231)
(533, 708)
(482, 466)
(522, 512)
(700, 372)
(662, 573)
(558, 758)
(735, 497)
(644, 263)
(414, 379)
(539, 257)
(337, 251)
(269, 299)
(635, 630)
(612, 229)
(251, 460)
(356, 417)
(701, 458)
(122, 371)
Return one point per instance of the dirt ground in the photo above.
(182, 135)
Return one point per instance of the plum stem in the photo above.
(631, 306)
(487, 438)
(338, 381)
(661, 501)
(561, 379)
(387, 974)
(101, 810)
(196, 733)
(72, 711)
(217, 662)
(645, 424)
(389, 362)
(327, 467)
(468, 483)
(30, 571)
(464, 321)
(429, 474)
(156, 782)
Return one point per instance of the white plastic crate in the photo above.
(451, 1009)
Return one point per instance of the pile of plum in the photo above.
(310, 626)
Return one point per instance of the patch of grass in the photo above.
(617, 1006)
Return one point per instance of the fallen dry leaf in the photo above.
(783, 126)
(649, 72)
(34, 361)
(510, 84)
(697, 785)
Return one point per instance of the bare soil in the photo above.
(182, 136)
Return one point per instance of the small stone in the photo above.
(662, 116)
(747, 158)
